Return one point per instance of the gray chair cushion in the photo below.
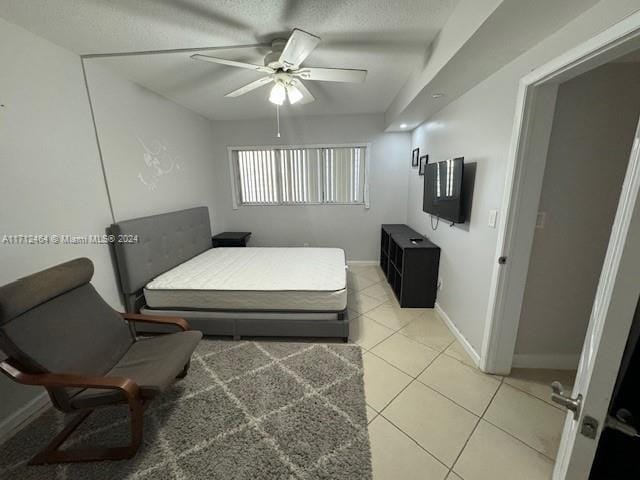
(55, 321)
(73, 333)
(30, 291)
(152, 363)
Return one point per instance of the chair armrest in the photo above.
(136, 317)
(52, 380)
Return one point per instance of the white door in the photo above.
(611, 318)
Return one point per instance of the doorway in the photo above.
(617, 288)
(593, 128)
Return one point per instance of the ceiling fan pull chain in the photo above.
(278, 118)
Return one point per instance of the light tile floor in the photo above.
(432, 414)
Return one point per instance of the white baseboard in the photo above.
(363, 263)
(549, 361)
(456, 333)
(23, 416)
(555, 362)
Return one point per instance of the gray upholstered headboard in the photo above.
(164, 241)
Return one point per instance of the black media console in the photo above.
(410, 262)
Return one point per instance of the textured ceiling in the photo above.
(386, 37)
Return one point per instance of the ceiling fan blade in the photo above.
(297, 48)
(331, 74)
(249, 87)
(233, 63)
(306, 94)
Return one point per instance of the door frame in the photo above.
(526, 162)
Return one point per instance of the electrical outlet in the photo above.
(540, 219)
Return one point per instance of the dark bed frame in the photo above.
(169, 239)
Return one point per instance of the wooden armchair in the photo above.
(60, 334)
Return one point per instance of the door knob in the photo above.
(558, 396)
(623, 423)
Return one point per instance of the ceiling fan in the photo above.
(283, 67)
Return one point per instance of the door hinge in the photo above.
(502, 260)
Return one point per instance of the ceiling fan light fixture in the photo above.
(294, 94)
(283, 66)
(278, 94)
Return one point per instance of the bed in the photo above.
(172, 270)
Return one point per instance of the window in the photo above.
(300, 175)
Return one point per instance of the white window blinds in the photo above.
(258, 174)
(299, 176)
(344, 175)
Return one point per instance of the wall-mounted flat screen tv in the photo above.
(443, 190)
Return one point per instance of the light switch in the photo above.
(540, 219)
(493, 218)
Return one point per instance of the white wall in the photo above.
(51, 180)
(593, 128)
(157, 154)
(51, 175)
(351, 227)
(478, 126)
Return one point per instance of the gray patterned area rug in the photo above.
(247, 410)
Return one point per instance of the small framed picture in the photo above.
(423, 164)
(414, 157)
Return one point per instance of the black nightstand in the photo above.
(231, 239)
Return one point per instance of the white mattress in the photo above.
(302, 279)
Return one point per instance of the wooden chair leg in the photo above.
(52, 454)
(59, 439)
